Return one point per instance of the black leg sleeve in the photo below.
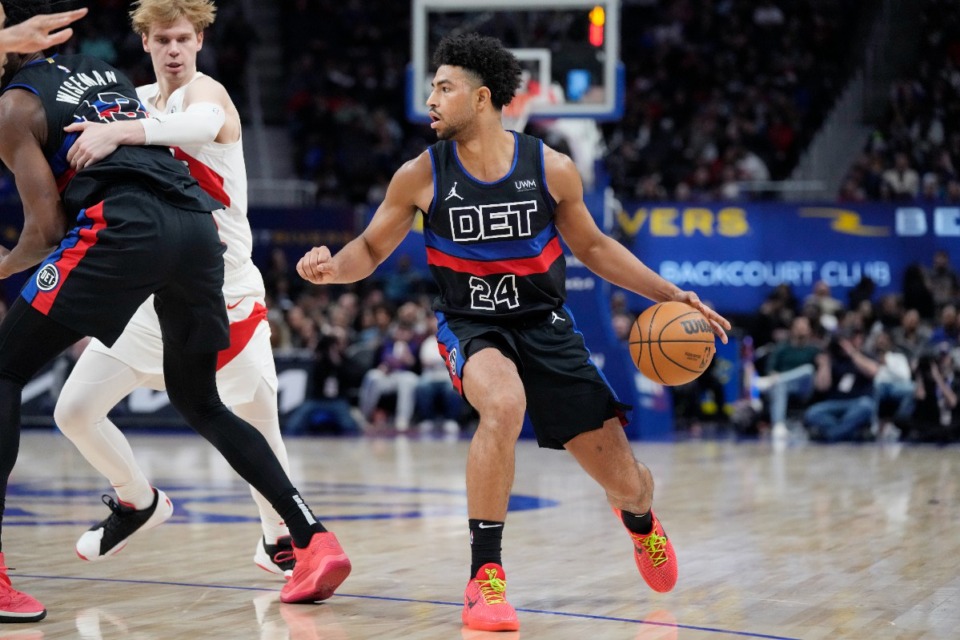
(28, 340)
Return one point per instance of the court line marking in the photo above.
(562, 614)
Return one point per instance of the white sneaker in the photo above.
(763, 383)
(780, 431)
(275, 558)
(111, 535)
(889, 433)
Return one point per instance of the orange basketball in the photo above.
(672, 343)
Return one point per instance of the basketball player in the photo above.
(106, 237)
(202, 124)
(35, 34)
(494, 202)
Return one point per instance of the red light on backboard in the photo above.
(597, 18)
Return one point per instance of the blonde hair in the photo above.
(200, 13)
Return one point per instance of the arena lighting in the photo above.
(597, 18)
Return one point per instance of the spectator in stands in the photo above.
(703, 400)
(860, 292)
(917, 293)
(403, 282)
(776, 314)
(902, 180)
(912, 336)
(947, 330)
(852, 191)
(915, 145)
(327, 408)
(889, 311)
(376, 317)
(707, 107)
(372, 321)
(937, 414)
(892, 383)
(953, 192)
(336, 336)
(825, 303)
(790, 369)
(395, 372)
(930, 189)
(868, 316)
(438, 402)
(943, 280)
(622, 323)
(822, 324)
(842, 376)
(277, 279)
(304, 332)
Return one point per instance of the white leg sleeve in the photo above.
(96, 384)
(263, 414)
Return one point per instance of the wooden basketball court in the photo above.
(810, 542)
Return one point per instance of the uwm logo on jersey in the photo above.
(492, 221)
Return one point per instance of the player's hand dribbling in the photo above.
(317, 267)
(719, 324)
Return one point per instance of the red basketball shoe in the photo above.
(16, 606)
(485, 605)
(318, 571)
(653, 552)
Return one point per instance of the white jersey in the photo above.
(221, 171)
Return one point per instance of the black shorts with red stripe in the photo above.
(124, 248)
(566, 393)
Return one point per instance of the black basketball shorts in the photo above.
(565, 391)
(120, 251)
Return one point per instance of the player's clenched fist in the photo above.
(317, 267)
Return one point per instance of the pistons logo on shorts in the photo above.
(48, 277)
(452, 362)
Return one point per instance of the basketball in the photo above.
(672, 343)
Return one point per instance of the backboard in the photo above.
(569, 51)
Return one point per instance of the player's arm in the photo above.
(410, 189)
(602, 254)
(22, 125)
(203, 119)
(200, 102)
(35, 33)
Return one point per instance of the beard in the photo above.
(448, 133)
(450, 129)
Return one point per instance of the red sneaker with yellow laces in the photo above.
(653, 552)
(485, 605)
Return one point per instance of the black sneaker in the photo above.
(110, 536)
(276, 558)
